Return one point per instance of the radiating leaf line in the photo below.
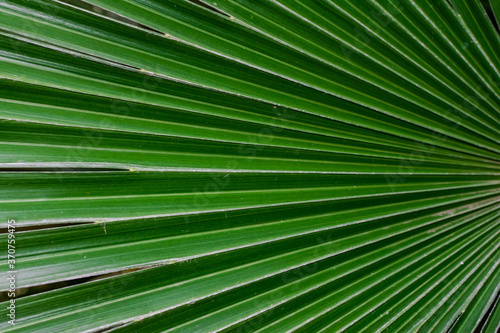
(326, 274)
(372, 119)
(263, 166)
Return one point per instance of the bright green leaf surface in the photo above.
(250, 166)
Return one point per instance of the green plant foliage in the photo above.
(249, 166)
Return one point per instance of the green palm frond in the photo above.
(249, 166)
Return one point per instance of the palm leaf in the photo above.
(192, 166)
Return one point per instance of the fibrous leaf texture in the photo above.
(250, 165)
